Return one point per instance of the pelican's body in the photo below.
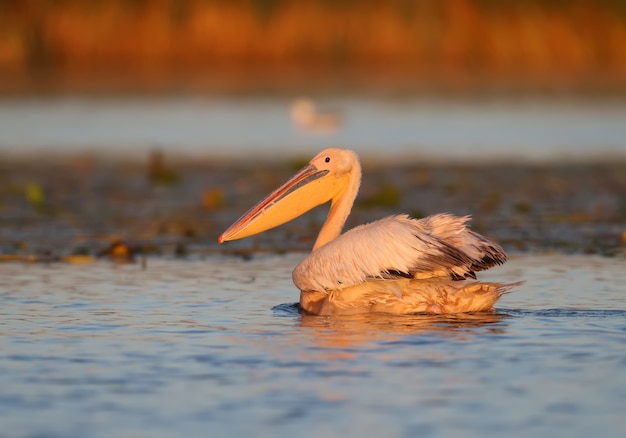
(395, 265)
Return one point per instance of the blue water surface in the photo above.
(528, 128)
(217, 347)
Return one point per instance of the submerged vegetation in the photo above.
(81, 209)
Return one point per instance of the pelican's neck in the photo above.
(340, 208)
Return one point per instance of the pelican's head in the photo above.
(325, 178)
(303, 112)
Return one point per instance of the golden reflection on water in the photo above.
(347, 331)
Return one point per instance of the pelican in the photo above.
(306, 116)
(395, 265)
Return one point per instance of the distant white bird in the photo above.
(306, 116)
(395, 265)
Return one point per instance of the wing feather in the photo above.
(398, 246)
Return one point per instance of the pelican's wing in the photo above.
(398, 246)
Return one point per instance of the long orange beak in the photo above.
(307, 189)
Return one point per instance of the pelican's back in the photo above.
(399, 247)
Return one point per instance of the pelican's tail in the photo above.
(479, 296)
(440, 296)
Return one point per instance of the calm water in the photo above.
(216, 347)
(532, 129)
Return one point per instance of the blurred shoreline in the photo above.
(290, 82)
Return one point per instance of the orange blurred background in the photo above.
(242, 44)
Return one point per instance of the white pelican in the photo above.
(306, 116)
(394, 265)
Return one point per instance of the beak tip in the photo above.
(220, 239)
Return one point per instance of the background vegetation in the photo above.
(458, 43)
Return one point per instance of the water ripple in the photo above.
(161, 356)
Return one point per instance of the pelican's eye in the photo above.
(327, 160)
